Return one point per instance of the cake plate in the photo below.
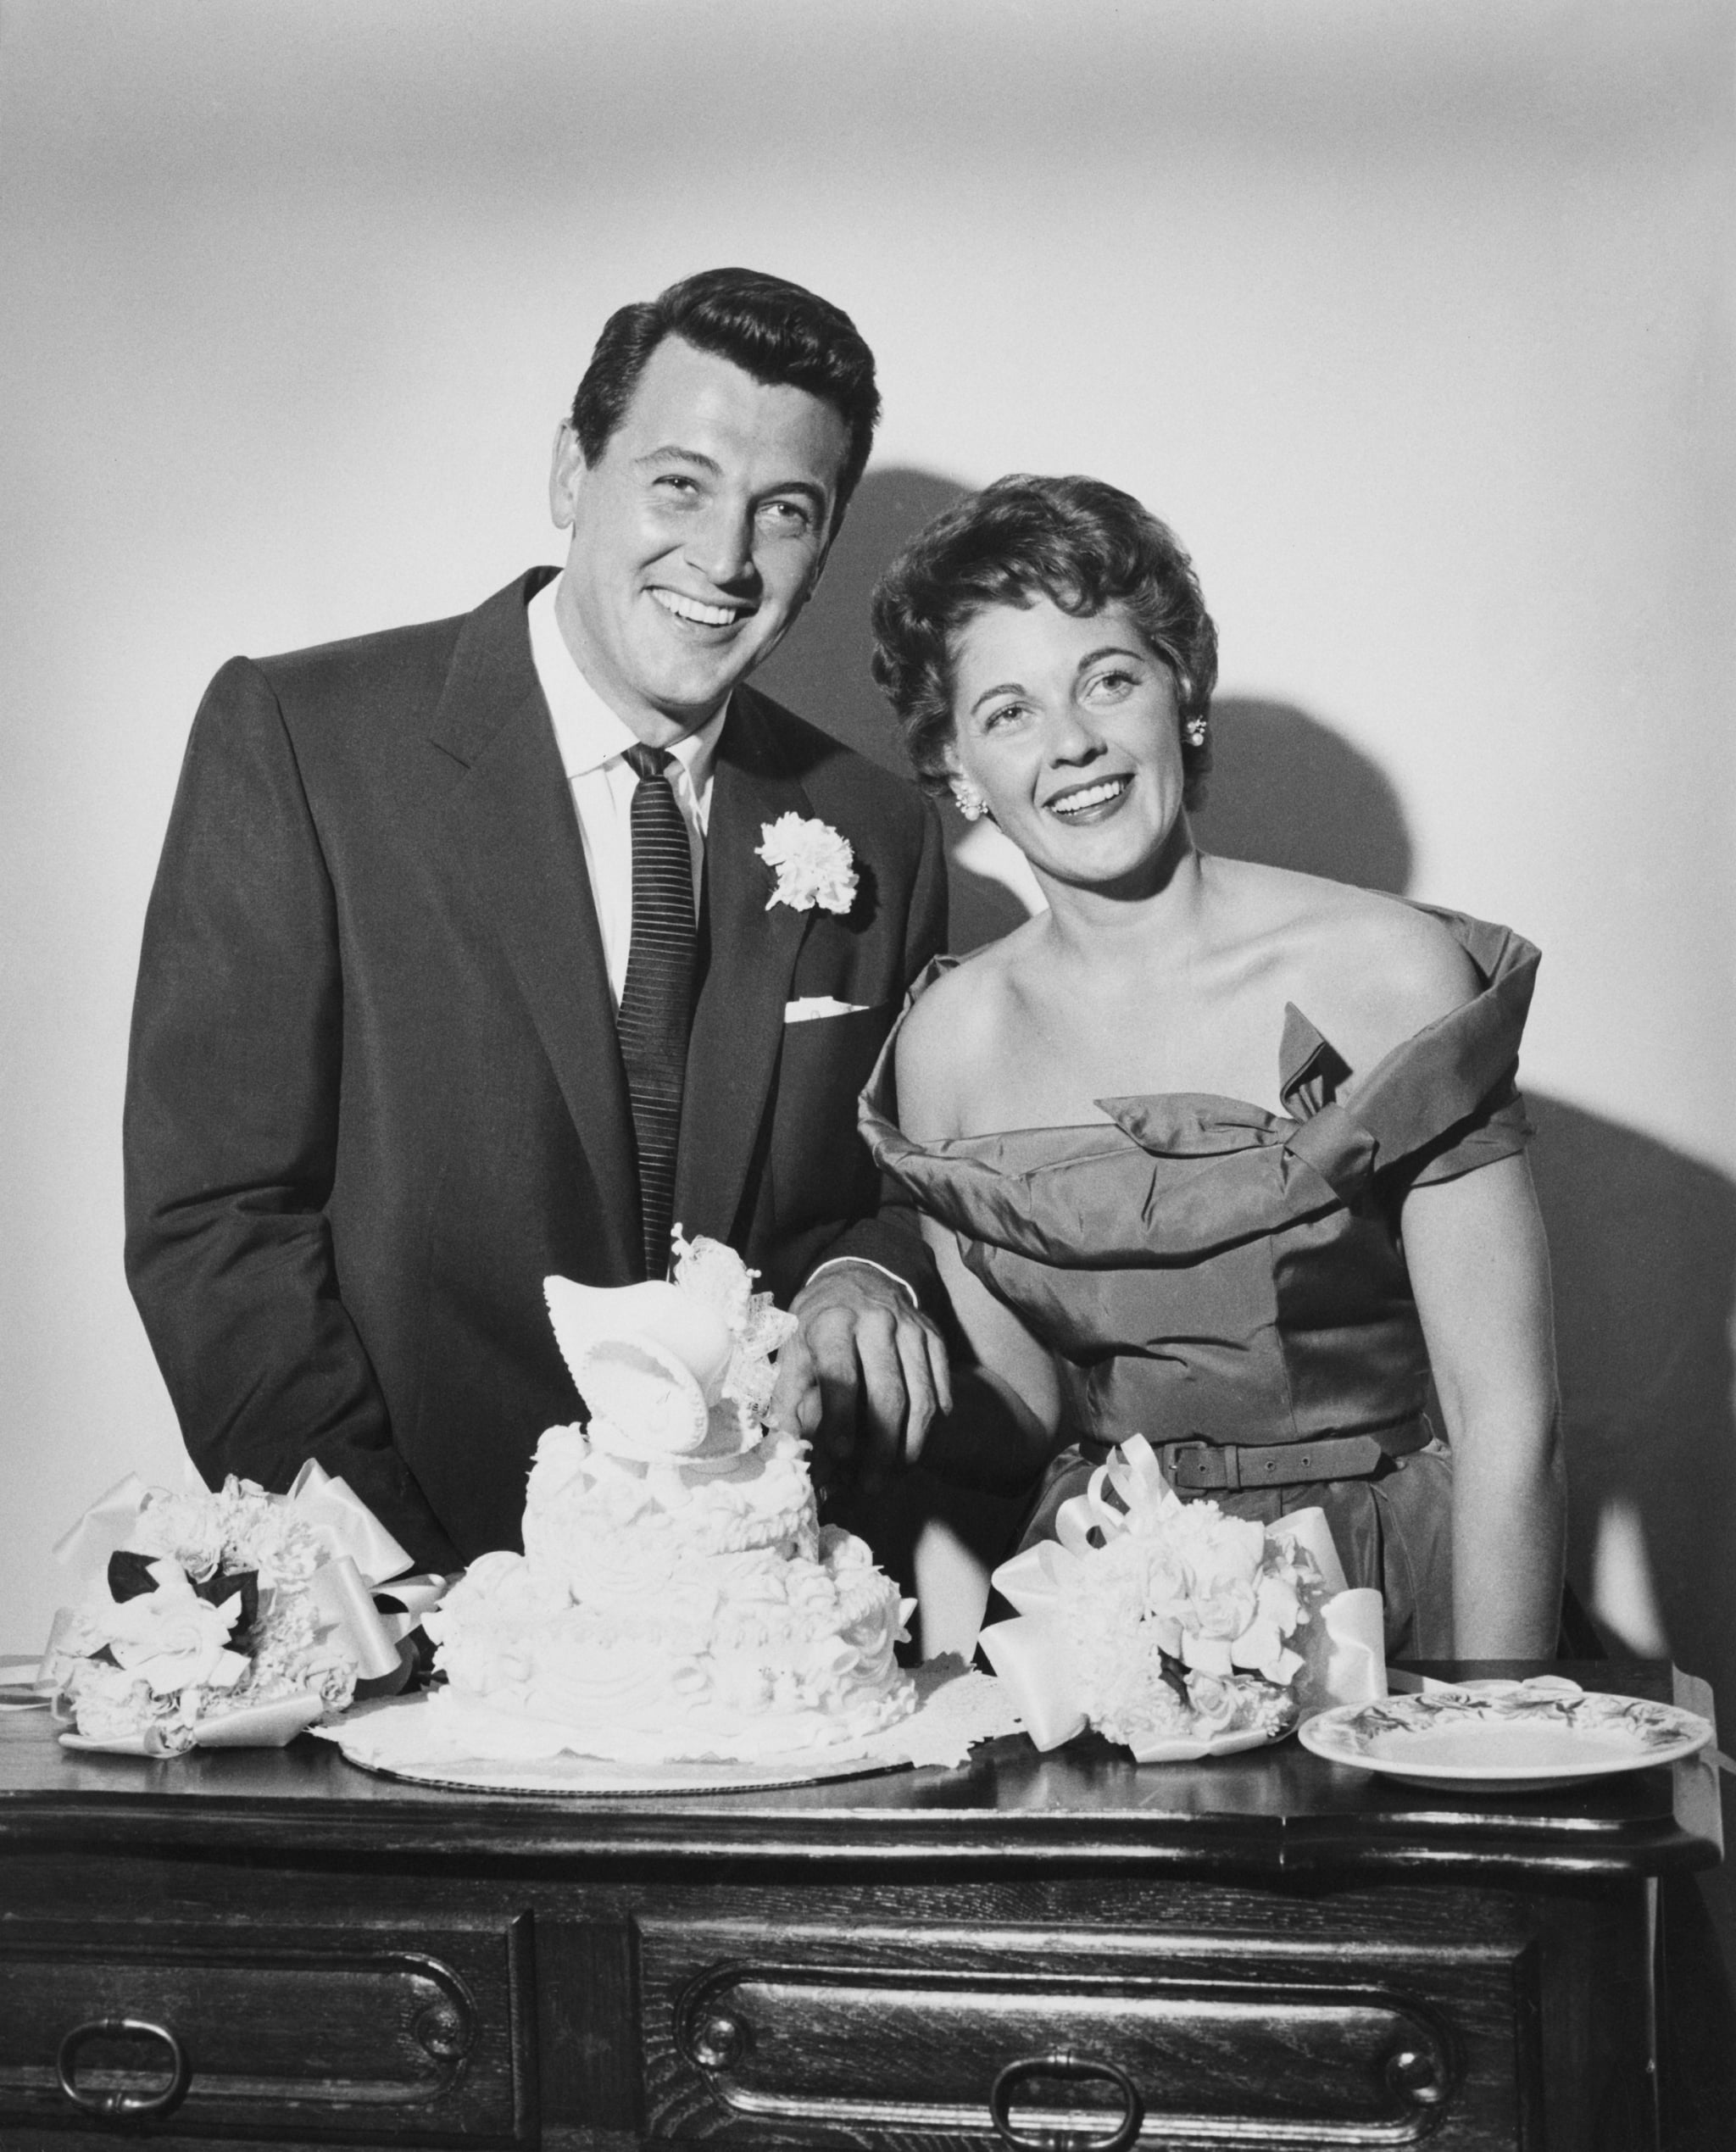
(956, 1708)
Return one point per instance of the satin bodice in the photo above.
(1205, 1267)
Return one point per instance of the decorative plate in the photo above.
(18, 1681)
(1512, 1734)
(1184, 1749)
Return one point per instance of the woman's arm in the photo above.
(1006, 1396)
(1480, 1270)
(1006, 1406)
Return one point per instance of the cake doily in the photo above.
(956, 1708)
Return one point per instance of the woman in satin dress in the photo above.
(1209, 1151)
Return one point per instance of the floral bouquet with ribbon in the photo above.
(1175, 1629)
(233, 1620)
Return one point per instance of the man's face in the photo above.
(697, 535)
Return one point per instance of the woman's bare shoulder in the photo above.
(1369, 970)
(949, 1034)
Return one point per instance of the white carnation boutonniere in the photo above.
(813, 864)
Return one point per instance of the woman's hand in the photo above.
(1479, 1266)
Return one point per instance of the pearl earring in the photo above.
(970, 802)
(1194, 731)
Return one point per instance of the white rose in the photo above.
(1215, 1702)
(171, 1638)
(1206, 1654)
(188, 1528)
(326, 1672)
(1231, 1552)
(1167, 1593)
(1224, 1610)
(109, 1703)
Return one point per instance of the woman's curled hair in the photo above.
(1082, 544)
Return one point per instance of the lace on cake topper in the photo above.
(680, 1372)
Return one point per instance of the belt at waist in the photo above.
(1197, 1467)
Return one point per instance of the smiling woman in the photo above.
(1070, 542)
(1078, 733)
(1211, 1152)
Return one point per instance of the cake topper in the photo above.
(676, 1371)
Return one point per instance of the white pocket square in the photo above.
(812, 1006)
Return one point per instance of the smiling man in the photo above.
(465, 965)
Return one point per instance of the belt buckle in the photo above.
(1195, 1447)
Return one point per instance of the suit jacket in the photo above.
(374, 1093)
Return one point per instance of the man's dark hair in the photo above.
(1079, 543)
(779, 334)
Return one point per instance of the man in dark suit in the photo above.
(448, 984)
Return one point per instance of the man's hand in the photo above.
(863, 1377)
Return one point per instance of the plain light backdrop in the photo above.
(1413, 316)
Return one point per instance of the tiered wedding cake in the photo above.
(677, 1597)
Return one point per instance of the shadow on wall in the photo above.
(1289, 791)
(822, 671)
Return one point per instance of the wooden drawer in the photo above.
(371, 2036)
(898, 2036)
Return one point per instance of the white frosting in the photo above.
(672, 1602)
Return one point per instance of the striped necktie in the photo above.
(657, 999)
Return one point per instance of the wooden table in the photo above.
(1266, 1951)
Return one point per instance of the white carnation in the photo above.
(813, 864)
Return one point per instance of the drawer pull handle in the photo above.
(1062, 2064)
(1418, 2076)
(441, 2032)
(128, 2106)
(719, 2041)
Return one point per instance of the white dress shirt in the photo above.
(594, 743)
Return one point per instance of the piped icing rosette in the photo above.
(592, 1517)
(677, 1597)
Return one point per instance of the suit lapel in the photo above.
(739, 1025)
(513, 821)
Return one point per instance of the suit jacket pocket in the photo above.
(820, 1167)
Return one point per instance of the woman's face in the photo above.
(1067, 725)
